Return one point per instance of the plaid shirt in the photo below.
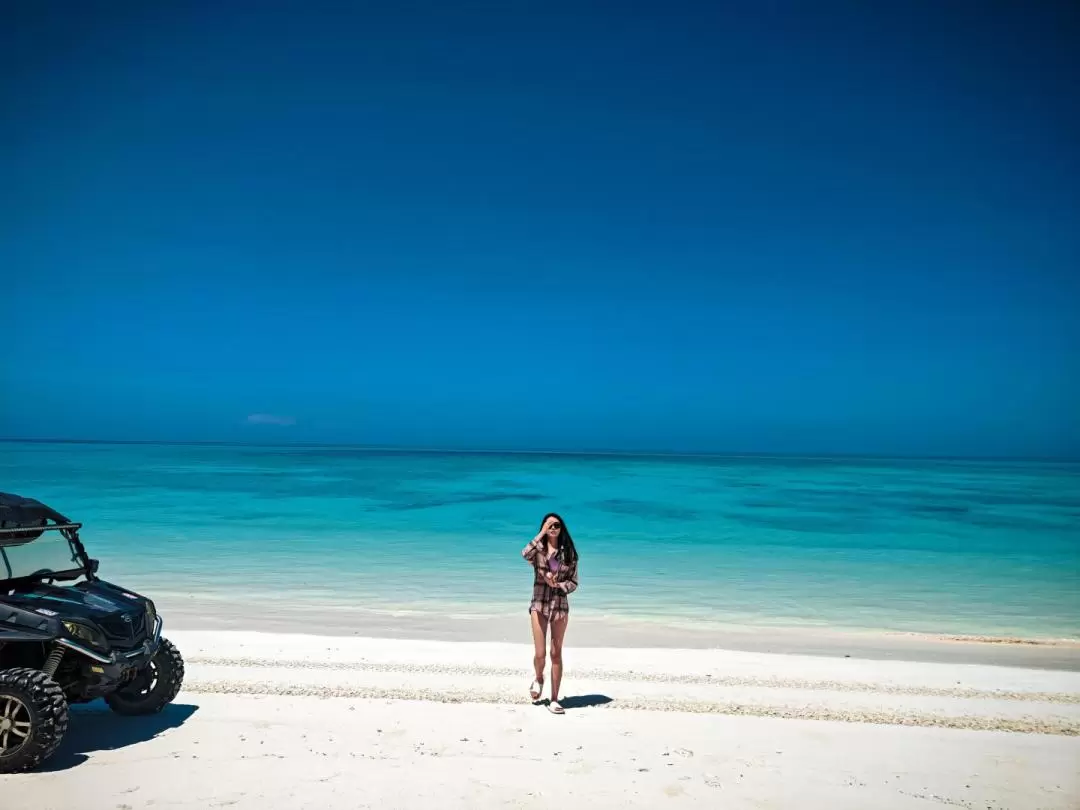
(547, 600)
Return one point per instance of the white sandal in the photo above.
(555, 707)
(536, 688)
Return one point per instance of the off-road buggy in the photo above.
(68, 637)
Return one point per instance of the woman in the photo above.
(555, 561)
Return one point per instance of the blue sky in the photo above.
(751, 227)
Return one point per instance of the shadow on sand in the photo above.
(94, 727)
(584, 701)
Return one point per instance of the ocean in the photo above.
(939, 547)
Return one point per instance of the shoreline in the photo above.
(660, 622)
(197, 613)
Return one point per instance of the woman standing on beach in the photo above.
(555, 562)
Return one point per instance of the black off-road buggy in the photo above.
(68, 637)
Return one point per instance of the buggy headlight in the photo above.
(151, 616)
(86, 634)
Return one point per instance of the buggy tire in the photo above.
(168, 667)
(34, 706)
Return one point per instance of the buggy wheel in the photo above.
(33, 718)
(153, 687)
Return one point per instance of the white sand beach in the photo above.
(276, 721)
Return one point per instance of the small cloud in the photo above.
(270, 419)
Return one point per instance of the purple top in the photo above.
(553, 564)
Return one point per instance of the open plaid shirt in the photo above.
(548, 600)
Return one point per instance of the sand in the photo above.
(276, 721)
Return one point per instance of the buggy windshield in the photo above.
(48, 554)
(34, 539)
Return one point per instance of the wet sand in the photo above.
(200, 613)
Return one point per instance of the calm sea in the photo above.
(927, 546)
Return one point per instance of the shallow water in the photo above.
(990, 548)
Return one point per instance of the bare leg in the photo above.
(558, 633)
(539, 634)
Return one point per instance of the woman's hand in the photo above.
(554, 581)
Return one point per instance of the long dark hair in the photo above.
(567, 554)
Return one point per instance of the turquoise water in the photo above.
(925, 546)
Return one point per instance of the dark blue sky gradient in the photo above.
(775, 227)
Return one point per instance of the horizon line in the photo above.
(535, 452)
